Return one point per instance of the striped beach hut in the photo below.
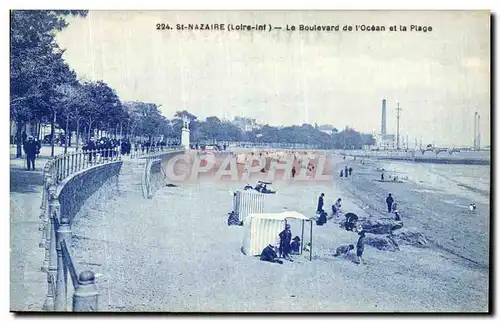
(248, 202)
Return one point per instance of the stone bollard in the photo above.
(86, 294)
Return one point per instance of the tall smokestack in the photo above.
(475, 130)
(478, 132)
(383, 128)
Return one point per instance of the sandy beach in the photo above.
(175, 252)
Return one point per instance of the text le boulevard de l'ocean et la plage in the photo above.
(291, 28)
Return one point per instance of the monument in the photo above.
(185, 132)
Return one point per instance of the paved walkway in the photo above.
(28, 285)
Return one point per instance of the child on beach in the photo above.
(343, 250)
(360, 246)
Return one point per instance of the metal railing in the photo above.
(149, 151)
(56, 233)
(58, 263)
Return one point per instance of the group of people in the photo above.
(259, 187)
(345, 250)
(322, 218)
(346, 172)
(392, 207)
(31, 147)
(287, 247)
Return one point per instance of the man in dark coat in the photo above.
(269, 255)
(285, 239)
(320, 204)
(389, 200)
(30, 149)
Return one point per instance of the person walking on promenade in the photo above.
(389, 200)
(360, 246)
(320, 204)
(30, 149)
(285, 240)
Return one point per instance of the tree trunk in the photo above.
(39, 131)
(77, 133)
(90, 129)
(52, 133)
(19, 153)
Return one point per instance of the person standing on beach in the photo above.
(285, 239)
(320, 204)
(346, 172)
(360, 246)
(389, 200)
(350, 170)
(293, 172)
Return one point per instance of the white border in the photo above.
(188, 4)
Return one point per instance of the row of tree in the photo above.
(44, 90)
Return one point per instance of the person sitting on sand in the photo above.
(321, 219)
(269, 255)
(258, 187)
(338, 205)
(394, 207)
(334, 210)
(248, 187)
(351, 220)
(343, 250)
(285, 239)
(396, 215)
(295, 246)
(360, 246)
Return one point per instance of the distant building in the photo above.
(328, 129)
(246, 124)
(385, 142)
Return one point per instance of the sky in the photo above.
(440, 78)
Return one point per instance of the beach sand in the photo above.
(175, 252)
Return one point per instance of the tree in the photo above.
(36, 65)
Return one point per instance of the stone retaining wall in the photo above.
(96, 182)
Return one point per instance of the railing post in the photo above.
(63, 234)
(52, 271)
(86, 294)
(72, 162)
(51, 190)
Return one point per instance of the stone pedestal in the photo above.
(185, 138)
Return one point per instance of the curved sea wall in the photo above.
(97, 182)
(456, 157)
